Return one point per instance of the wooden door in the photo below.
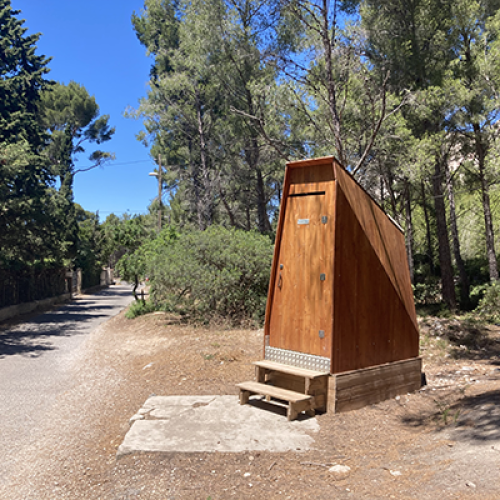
(302, 310)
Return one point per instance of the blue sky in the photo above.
(93, 43)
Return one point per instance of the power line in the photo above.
(125, 163)
(128, 211)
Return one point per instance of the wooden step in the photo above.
(297, 402)
(291, 370)
(293, 378)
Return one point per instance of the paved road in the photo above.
(35, 362)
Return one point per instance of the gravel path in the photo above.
(35, 367)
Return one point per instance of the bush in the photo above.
(218, 272)
(428, 292)
(489, 304)
(132, 266)
(478, 271)
(139, 307)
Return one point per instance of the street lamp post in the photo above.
(159, 175)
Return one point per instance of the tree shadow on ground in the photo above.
(88, 306)
(10, 347)
(474, 419)
(479, 418)
(33, 337)
(113, 292)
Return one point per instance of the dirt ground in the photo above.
(440, 443)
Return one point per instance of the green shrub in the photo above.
(132, 266)
(478, 271)
(428, 292)
(489, 304)
(218, 272)
(139, 307)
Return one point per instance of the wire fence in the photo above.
(18, 287)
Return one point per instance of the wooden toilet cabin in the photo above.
(341, 329)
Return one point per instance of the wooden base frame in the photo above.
(355, 389)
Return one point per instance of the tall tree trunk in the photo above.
(263, 220)
(463, 278)
(247, 217)
(481, 151)
(447, 285)
(485, 196)
(428, 232)
(230, 213)
(252, 156)
(206, 208)
(409, 232)
(328, 44)
(381, 187)
(195, 176)
(388, 185)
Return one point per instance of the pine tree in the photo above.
(21, 80)
(27, 228)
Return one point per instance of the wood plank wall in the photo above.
(374, 321)
(355, 389)
(384, 236)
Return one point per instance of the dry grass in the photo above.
(127, 360)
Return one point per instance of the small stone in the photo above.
(395, 472)
(250, 458)
(340, 471)
(247, 474)
(470, 484)
(148, 366)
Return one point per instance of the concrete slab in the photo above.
(215, 423)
